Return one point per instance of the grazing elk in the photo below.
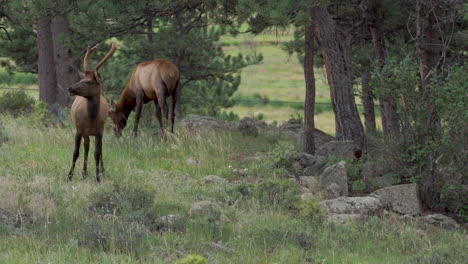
(89, 113)
(150, 81)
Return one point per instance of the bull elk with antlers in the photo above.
(150, 81)
(89, 113)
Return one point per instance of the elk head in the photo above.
(90, 84)
(119, 120)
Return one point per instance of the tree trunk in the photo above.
(47, 78)
(65, 72)
(337, 61)
(368, 101)
(388, 105)
(309, 108)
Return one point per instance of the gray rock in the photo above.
(382, 182)
(293, 124)
(213, 179)
(333, 191)
(206, 209)
(440, 220)
(336, 174)
(192, 161)
(171, 222)
(307, 196)
(320, 138)
(340, 149)
(345, 218)
(7, 217)
(316, 167)
(308, 181)
(247, 126)
(368, 206)
(403, 198)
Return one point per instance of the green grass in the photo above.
(58, 226)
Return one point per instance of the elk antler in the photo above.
(89, 52)
(108, 55)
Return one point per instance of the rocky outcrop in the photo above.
(403, 198)
(344, 209)
(339, 149)
(336, 174)
(440, 220)
(206, 209)
(247, 126)
(7, 217)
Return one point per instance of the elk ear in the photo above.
(81, 74)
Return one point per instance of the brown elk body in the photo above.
(89, 113)
(150, 81)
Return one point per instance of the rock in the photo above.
(440, 220)
(307, 196)
(247, 126)
(206, 122)
(192, 161)
(7, 217)
(333, 191)
(368, 206)
(336, 174)
(213, 179)
(340, 149)
(382, 182)
(320, 138)
(293, 124)
(403, 198)
(308, 181)
(345, 218)
(316, 166)
(206, 209)
(170, 222)
(296, 169)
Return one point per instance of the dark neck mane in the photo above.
(126, 103)
(94, 103)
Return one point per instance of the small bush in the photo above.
(111, 235)
(192, 259)
(281, 193)
(16, 103)
(282, 154)
(310, 209)
(41, 115)
(120, 199)
(228, 116)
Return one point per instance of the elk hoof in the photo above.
(70, 177)
(85, 174)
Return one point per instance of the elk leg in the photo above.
(139, 106)
(158, 114)
(97, 155)
(86, 151)
(163, 106)
(102, 164)
(76, 154)
(175, 99)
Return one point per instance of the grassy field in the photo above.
(262, 219)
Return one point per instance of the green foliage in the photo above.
(358, 186)
(41, 115)
(112, 235)
(192, 259)
(278, 193)
(282, 154)
(16, 103)
(311, 210)
(3, 136)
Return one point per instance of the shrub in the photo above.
(16, 103)
(41, 115)
(281, 193)
(310, 209)
(192, 259)
(282, 154)
(112, 234)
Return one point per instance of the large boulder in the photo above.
(206, 209)
(354, 205)
(305, 164)
(339, 149)
(320, 138)
(247, 126)
(293, 124)
(206, 122)
(440, 220)
(336, 174)
(403, 198)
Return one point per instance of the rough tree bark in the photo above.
(388, 104)
(309, 109)
(65, 71)
(47, 78)
(368, 101)
(339, 74)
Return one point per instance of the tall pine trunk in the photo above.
(46, 65)
(338, 66)
(309, 109)
(65, 71)
(388, 104)
(368, 101)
